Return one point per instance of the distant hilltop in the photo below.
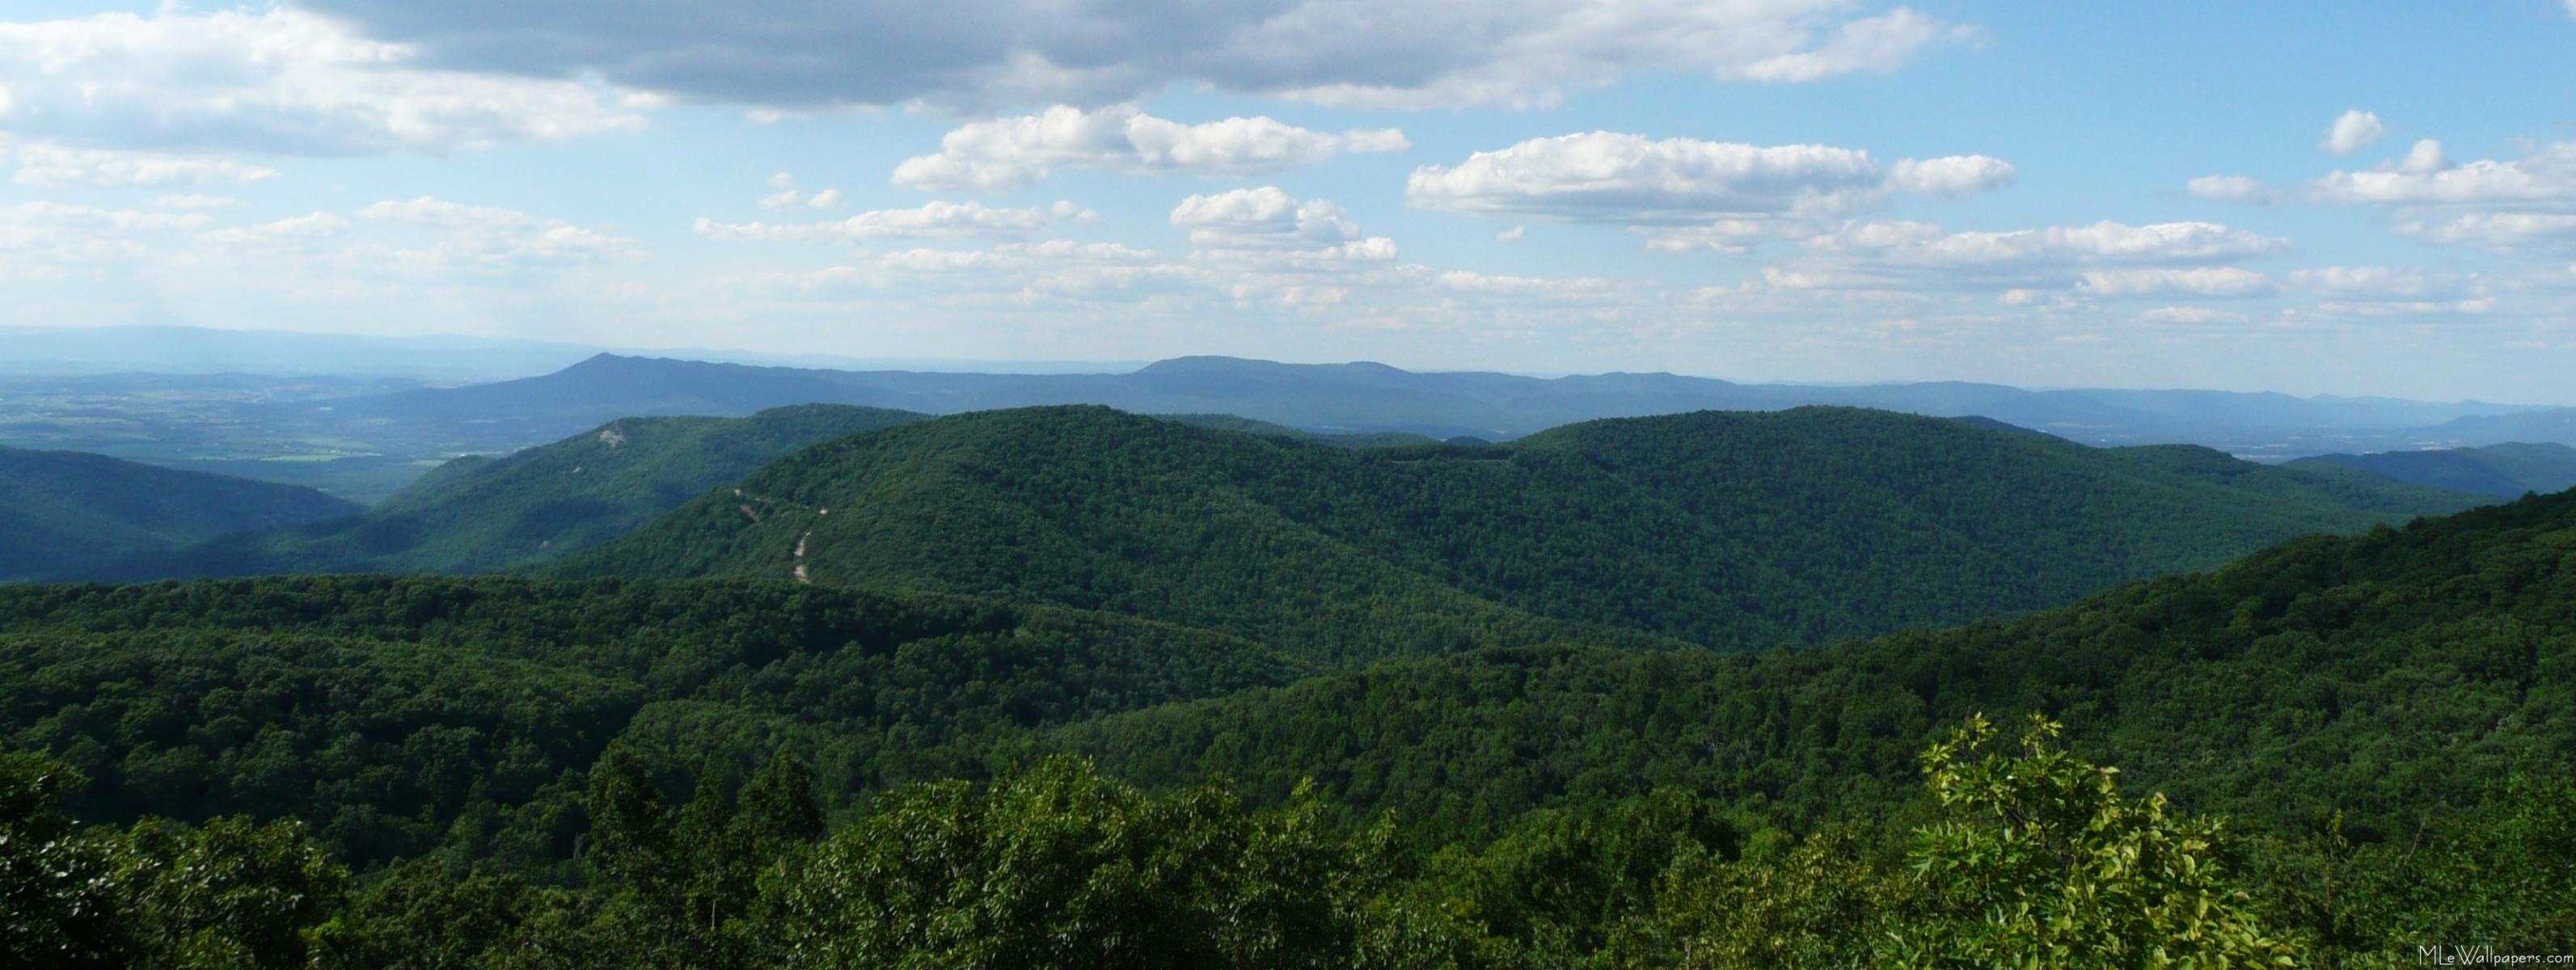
(1372, 397)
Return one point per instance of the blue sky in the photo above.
(2316, 198)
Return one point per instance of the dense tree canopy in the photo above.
(1169, 711)
(1721, 529)
(67, 512)
(480, 514)
(401, 717)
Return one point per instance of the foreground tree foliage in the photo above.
(230, 893)
(1058, 869)
(2029, 858)
(2038, 857)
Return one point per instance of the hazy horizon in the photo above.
(455, 361)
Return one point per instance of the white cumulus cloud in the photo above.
(2161, 280)
(1004, 154)
(1704, 191)
(2352, 132)
(1267, 220)
(2426, 156)
(2548, 174)
(1524, 287)
(1951, 177)
(281, 79)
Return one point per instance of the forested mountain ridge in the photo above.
(2384, 675)
(2387, 717)
(1080, 507)
(1729, 529)
(2504, 470)
(64, 511)
(482, 514)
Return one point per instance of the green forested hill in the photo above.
(2386, 675)
(2386, 717)
(2505, 471)
(1729, 529)
(397, 716)
(65, 511)
(481, 514)
(1181, 696)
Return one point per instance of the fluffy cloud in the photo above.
(813, 53)
(56, 166)
(281, 80)
(935, 220)
(1268, 221)
(2352, 132)
(1685, 193)
(1955, 176)
(2168, 281)
(2519, 205)
(1568, 290)
(1053, 255)
(2386, 291)
(2425, 157)
(1011, 153)
(1256, 246)
(2546, 175)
